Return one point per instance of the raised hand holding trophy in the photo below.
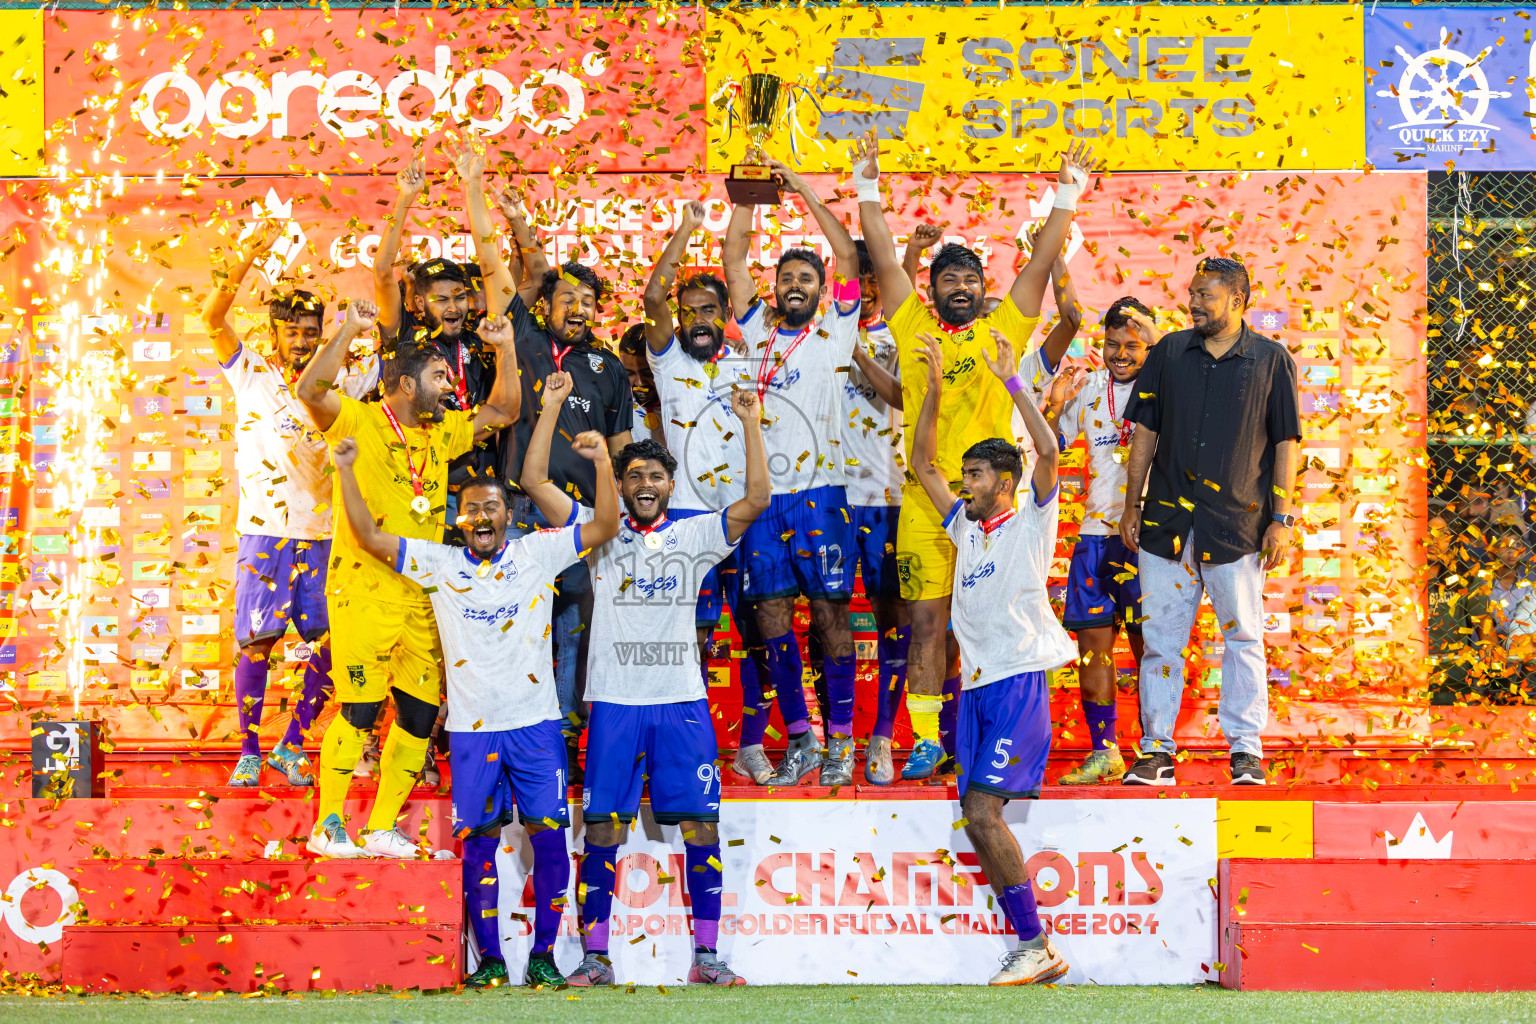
(752, 183)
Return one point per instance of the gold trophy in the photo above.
(752, 183)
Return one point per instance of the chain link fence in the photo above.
(1481, 335)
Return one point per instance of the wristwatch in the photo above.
(1285, 519)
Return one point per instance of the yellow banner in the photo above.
(21, 86)
(1154, 88)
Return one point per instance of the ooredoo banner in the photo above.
(1449, 88)
(890, 892)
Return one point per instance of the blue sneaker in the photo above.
(923, 762)
(247, 773)
(291, 761)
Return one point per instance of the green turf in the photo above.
(822, 1005)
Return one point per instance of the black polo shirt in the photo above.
(1217, 423)
(600, 400)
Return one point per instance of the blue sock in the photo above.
(704, 885)
(949, 714)
(754, 709)
(598, 864)
(840, 675)
(1019, 907)
(786, 673)
(892, 680)
(551, 873)
(480, 896)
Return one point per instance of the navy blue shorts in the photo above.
(1103, 587)
(874, 544)
(288, 585)
(493, 771)
(1004, 737)
(803, 544)
(668, 748)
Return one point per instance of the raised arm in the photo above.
(837, 236)
(659, 326)
(317, 385)
(882, 380)
(741, 512)
(1004, 365)
(1029, 287)
(925, 439)
(411, 183)
(895, 285)
(1069, 314)
(215, 313)
(381, 545)
(1064, 387)
(604, 526)
(924, 237)
(530, 254)
(493, 269)
(739, 285)
(505, 402)
(535, 482)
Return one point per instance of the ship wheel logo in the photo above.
(1443, 86)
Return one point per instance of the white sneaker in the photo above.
(1023, 966)
(330, 839)
(391, 843)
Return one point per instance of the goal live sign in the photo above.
(890, 892)
(1450, 88)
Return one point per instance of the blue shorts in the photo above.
(722, 584)
(669, 748)
(492, 771)
(288, 585)
(1097, 593)
(1004, 736)
(874, 545)
(803, 544)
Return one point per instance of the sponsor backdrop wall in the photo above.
(165, 133)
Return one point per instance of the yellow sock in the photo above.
(924, 712)
(399, 764)
(339, 753)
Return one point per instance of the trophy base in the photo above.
(752, 185)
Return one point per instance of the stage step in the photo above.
(245, 958)
(1369, 925)
(230, 892)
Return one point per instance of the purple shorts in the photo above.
(1096, 594)
(288, 585)
(1004, 737)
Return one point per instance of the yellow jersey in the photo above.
(975, 404)
(384, 477)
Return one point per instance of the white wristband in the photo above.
(1066, 196)
(868, 189)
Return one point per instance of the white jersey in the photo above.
(494, 621)
(803, 404)
(285, 489)
(645, 593)
(1001, 611)
(1096, 413)
(702, 432)
(873, 466)
(648, 426)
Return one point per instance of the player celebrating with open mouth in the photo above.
(1009, 639)
(651, 726)
(492, 599)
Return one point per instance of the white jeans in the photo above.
(1170, 600)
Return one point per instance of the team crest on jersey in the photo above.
(595, 361)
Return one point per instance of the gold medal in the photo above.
(420, 505)
(653, 541)
(483, 569)
(711, 371)
(1120, 454)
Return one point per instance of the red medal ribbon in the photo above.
(988, 525)
(461, 383)
(416, 474)
(1126, 427)
(764, 375)
(559, 355)
(658, 524)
